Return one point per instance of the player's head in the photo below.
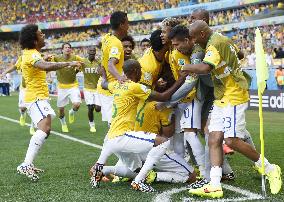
(31, 37)
(119, 22)
(199, 14)
(200, 32)
(92, 53)
(128, 46)
(144, 44)
(132, 69)
(166, 26)
(156, 40)
(181, 40)
(280, 67)
(66, 48)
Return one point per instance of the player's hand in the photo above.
(160, 106)
(182, 75)
(76, 64)
(122, 79)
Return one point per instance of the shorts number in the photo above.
(186, 113)
(227, 121)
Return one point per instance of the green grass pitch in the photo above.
(67, 163)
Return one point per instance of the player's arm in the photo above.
(201, 68)
(9, 70)
(162, 97)
(52, 66)
(168, 131)
(112, 69)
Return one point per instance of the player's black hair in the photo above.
(180, 32)
(144, 40)
(130, 65)
(204, 13)
(117, 18)
(65, 43)
(129, 38)
(28, 36)
(156, 41)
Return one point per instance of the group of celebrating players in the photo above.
(188, 82)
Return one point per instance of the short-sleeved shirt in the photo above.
(67, 76)
(230, 85)
(149, 119)
(151, 68)
(279, 75)
(18, 67)
(177, 60)
(126, 99)
(35, 78)
(91, 76)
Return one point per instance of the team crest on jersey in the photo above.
(209, 54)
(181, 62)
(114, 50)
(147, 76)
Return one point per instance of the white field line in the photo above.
(58, 134)
(247, 195)
(165, 196)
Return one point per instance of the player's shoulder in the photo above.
(31, 54)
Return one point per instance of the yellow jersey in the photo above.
(18, 67)
(149, 119)
(151, 68)
(91, 76)
(230, 85)
(67, 76)
(36, 85)
(177, 60)
(112, 48)
(126, 98)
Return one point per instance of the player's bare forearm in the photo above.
(104, 83)
(112, 68)
(201, 68)
(52, 66)
(11, 69)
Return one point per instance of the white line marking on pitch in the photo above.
(58, 134)
(166, 196)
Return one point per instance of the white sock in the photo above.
(153, 156)
(92, 123)
(267, 166)
(197, 150)
(36, 142)
(215, 176)
(207, 159)
(178, 143)
(62, 120)
(226, 168)
(171, 177)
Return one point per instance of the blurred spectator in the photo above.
(144, 44)
(279, 77)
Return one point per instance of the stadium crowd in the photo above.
(28, 11)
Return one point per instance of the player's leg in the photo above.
(62, 101)
(191, 122)
(90, 102)
(22, 107)
(41, 114)
(234, 138)
(75, 97)
(178, 137)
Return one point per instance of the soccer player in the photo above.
(188, 111)
(21, 104)
(228, 114)
(36, 96)
(112, 59)
(91, 77)
(128, 47)
(126, 98)
(145, 44)
(68, 87)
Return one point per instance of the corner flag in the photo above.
(261, 76)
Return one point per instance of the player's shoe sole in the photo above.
(93, 129)
(207, 191)
(274, 178)
(141, 186)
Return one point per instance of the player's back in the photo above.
(126, 98)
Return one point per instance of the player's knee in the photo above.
(91, 107)
(230, 142)
(215, 139)
(97, 108)
(160, 140)
(76, 106)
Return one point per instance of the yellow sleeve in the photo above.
(212, 56)
(140, 91)
(36, 56)
(18, 63)
(78, 58)
(115, 51)
(166, 117)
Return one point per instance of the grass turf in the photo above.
(66, 163)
